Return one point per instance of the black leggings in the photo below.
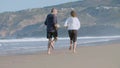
(73, 35)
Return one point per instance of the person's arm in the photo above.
(55, 22)
(66, 23)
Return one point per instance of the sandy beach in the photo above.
(104, 56)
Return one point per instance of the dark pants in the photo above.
(73, 35)
(52, 34)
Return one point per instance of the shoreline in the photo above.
(60, 49)
(20, 48)
(103, 56)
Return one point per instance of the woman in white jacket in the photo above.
(73, 25)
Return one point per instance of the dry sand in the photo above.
(105, 56)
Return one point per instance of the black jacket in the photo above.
(50, 22)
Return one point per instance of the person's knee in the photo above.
(55, 39)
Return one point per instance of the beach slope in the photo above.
(104, 56)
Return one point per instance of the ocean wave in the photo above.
(94, 41)
(24, 40)
(60, 38)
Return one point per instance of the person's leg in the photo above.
(55, 35)
(53, 43)
(49, 45)
(49, 36)
(74, 47)
(71, 42)
(71, 39)
(74, 40)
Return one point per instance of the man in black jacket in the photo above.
(50, 22)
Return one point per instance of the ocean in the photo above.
(33, 45)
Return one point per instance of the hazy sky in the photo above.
(15, 5)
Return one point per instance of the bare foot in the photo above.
(74, 51)
(49, 53)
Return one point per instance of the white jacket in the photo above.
(72, 23)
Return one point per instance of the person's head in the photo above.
(73, 13)
(54, 11)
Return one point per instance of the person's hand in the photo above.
(57, 26)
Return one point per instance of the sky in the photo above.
(16, 5)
